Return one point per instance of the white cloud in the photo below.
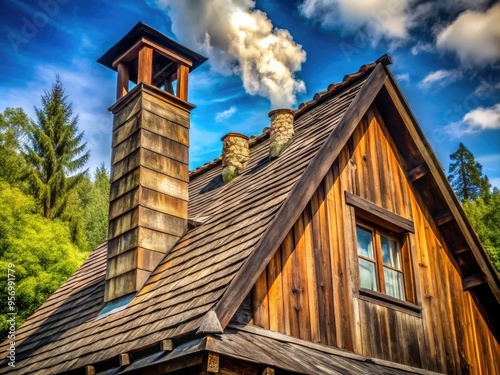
(240, 39)
(421, 47)
(475, 121)
(484, 118)
(224, 115)
(441, 78)
(473, 36)
(486, 89)
(380, 17)
(403, 77)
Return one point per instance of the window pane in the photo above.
(364, 242)
(367, 274)
(390, 252)
(394, 283)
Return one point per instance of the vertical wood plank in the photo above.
(145, 65)
(275, 285)
(309, 238)
(324, 263)
(288, 263)
(300, 287)
(182, 81)
(123, 80)
(337, 263)
(261, 302)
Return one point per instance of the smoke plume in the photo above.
(241, 40)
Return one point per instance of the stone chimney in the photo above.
(281, 130)
(149, 161)
(235, 155)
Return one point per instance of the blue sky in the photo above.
(265, 54)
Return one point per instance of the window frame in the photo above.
(371, 216)
(377, 232)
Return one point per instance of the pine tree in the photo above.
(55, 153)
(465, 175)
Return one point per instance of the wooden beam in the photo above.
(123, 80)
(124, 359)
(168, 53)
(182, 81)
(298, 198)
(130, 54)
(89, 370)
(418, 172)
(443, 218)
(462, 249)
(145, 65)
(160, 75)
(211, 362)
(371, 211)
(166, 345)
(473, 281)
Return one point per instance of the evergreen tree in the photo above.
(465, 175)
(55, 153)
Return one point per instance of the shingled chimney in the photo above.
(149, 160)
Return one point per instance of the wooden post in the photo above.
(182, 81)
(124, 359)
(89, 370)
(145, 65)
(211, 362)
(123, 78)
(168, 86)
(166, 345)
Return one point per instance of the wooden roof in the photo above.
(141, 30)
(253, 344)
(235, 228)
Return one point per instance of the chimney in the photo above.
(149, 161)
(281, 130)
(235, 154)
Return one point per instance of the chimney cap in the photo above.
(233, 134)
(140, 31)
(281, 110)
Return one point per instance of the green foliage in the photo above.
(94, 205)
(465, 175)
(55, 153)
(40, 167)
(480, 204)
(41, 250)
(485, 218)
(14, 124)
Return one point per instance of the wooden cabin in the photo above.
(332, 243)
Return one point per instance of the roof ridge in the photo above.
(333, 88)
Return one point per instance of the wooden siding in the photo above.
(309, 290)
(149, 184)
